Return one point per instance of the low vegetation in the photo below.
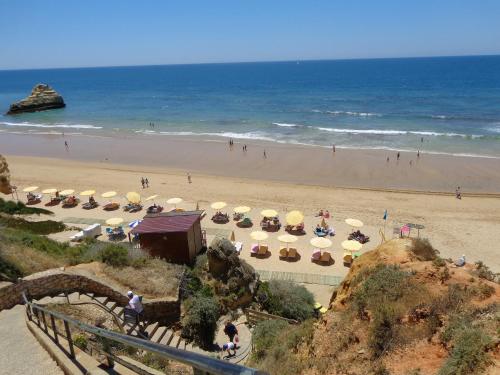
(276, 344)
(200, 321)
(286, 299)
(19, 208)
(36, 227)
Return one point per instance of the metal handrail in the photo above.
(197, 361)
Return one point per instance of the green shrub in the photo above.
(381, 284)
(114, 255)
(36, 227)
(482, 290)
(484, 272)
(9, 271)
(155, 361)
(200, 322)
(286, 299)
(469, 353)
(381, 331)
(423, 249)
(439, 262)
(265, 336)
(80, 341)
(19, 208)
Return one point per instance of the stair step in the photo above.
(102, 300)
(158, 335)
(167, 337)
(176, 341)
(151, 329)
(130, 328)
(111, 305)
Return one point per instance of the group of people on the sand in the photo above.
(144, 182)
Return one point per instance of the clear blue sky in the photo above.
(69, 33)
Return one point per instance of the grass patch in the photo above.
(19, 208)
(276, 344)
(469, 353)
(423, 249)
(484, 272)
(36, 227)
(286, 299)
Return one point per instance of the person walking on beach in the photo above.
(265, 155)
(333, 149)
(146, 182)
(418, 154)
(398, 156)
(388, 159)
(143, 182)
(189, 178)
(458, 193)
(411, 163)
(66, 145)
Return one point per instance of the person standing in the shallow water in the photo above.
(398, 156)
(265, 155)
(418, 154)
(66, 145)
(333, 149)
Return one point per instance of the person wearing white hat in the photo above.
(134, 303)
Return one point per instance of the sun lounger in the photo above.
(316, 255)
(283, 252)
(292, 253)
(135, 208)
(263, 249)
(347, 258)
(111, 206)
(245, 223)
(90, 205)
(326, 257)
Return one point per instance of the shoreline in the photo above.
(298, 164)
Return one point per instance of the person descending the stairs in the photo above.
(134, 303)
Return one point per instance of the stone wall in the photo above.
(54, 282)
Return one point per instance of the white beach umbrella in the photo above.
(114, 221)
(30, 189)
(320, 242)
(351, 245)
(109, 194)
(218, 205)
(355, 223)
(67, 192)
(242, 209)
(49, 191)
(87, 193)
(269, 213)
(259, 235)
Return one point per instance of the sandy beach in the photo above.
(290, 178)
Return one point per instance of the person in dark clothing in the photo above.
(230, 330)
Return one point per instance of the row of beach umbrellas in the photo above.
(317, 242)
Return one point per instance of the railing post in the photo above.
(54, 328)
(44, 322)
(35, 310)
(70, 340)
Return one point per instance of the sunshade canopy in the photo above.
(108, 194)
(218, 205)
(351, 245)
(133, 197)
(269, 213)
(259, 235)
(67, 192)
(320, 242)
(114, 221)
(30, 189)
(242, 209)
(294, 218)
(49, 191)
(152, 197)
(174, 200)
(354, 223)
(87, 192)
(287, 238)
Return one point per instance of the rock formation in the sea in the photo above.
(5, 186)
(42, 97)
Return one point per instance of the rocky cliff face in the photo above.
(4, 176)
(42, 98)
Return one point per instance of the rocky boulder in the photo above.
(42, 98)
(5, 186)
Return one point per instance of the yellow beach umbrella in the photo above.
(242, 209)
(30, 189)
(174, 200)
(351, 245)
(287, 238)
(355, 223)
(259, 235)
(87, 193)
(114, 221)
(49, 191)
(218, 205)
(152, 197)
(133, 197)
(67, 192)
(108, 194)
(294, 218)
(320, 242)
(269, 213)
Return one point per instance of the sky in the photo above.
(80, 33)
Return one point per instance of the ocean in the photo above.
(447, 105)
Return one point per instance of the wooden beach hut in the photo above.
(174, 236)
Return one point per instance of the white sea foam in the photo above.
(348, 113)
(285, 125)
(35, 125)
(248, 135)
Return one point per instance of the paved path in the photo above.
(20, 352)
(304, 278)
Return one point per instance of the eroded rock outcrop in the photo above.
(5, 186)
(42, 98)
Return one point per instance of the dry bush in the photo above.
(423, 249)
(155, 279)
(26, 260)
